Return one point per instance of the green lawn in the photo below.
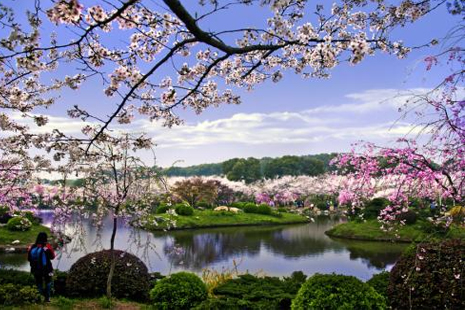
(209, 218)
(370, 230)
(25, 237)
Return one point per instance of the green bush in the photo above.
(332, 291)
(181, 290)
(18, 277)
(18, 223)
(429, 277)
(250, 208)
(282, 210)
(30, 216)
(88, 276)
(409, 217)
(12, 295)
(59, 282)
(239, 205)
(162, 209)
(183, 209)
(204, 205)
(373, 207)
(251, 292)
(4, 214)
(264, 209)
(380, 283)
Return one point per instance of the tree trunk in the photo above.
(112, 253)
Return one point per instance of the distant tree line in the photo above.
(253, 169)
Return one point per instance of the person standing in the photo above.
(40, 256)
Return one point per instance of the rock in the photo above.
(16, 242)
(224, 208)
(9, 249)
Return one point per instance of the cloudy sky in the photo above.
(296, 116)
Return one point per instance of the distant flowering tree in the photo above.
(434, 169)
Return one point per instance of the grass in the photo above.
(209, 218)
(371, 231)
(25, 237)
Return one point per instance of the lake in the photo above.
(270, 250)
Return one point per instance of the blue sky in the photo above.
(296, 116)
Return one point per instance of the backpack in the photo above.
(38, 261)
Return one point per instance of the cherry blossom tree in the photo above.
(169, 56)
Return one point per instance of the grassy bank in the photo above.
(25, 237)
(209, 218)
(371, 231)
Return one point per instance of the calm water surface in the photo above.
(276, 250)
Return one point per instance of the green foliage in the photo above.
(240, 169)
(409, 217)
(282, 210)
(4, 214)
(334, 291)
(380, 283)
(250, 208)
(17, 277)
(251, 292)
(18, 223)
(88, 276)
(181, 290)
(30, 216)
(59, 282)
(204, 205)
(264, 209)
(430, 277)
(374, 206)
(183, 209)
(63, 302)
(239, 205)
(11, 294)
(105, 302)
(293, 165)
(197, 170)
(162, 209)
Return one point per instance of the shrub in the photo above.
(18, 223)
(332, 291)
(250, 208)
(380, 283)
(429, 277)
(181, 290)
(162, 209)
(11, 294)
(239, 205)
(30, 216)
(182, 209)
(204, 205)
(59, 282)
(4, 214)
(374, 206)
(410, 217)
(88, 276)
(18, 277)
(282, 210)
(251, 292)
(264, 209)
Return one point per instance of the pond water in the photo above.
(270, 250)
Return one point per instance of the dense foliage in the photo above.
(183, 209)
(430, 277)
(17, 277)
(334, 291)
(380, 282)
(181, 290)
(18, 223)
(88, 276)
(251, 292)
(12, 295)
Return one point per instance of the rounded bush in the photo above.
(374, 206)
(380, 282)
(282, 210)
(30, 216)
(250, 208)
(182, 209)
(429, 277)
(5, 215)
(409, 217)
(18, 223)
(162, 209)
(332, 291)
(264, 209)
(182, 290)
(88, 276)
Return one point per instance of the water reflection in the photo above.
(275, 250)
